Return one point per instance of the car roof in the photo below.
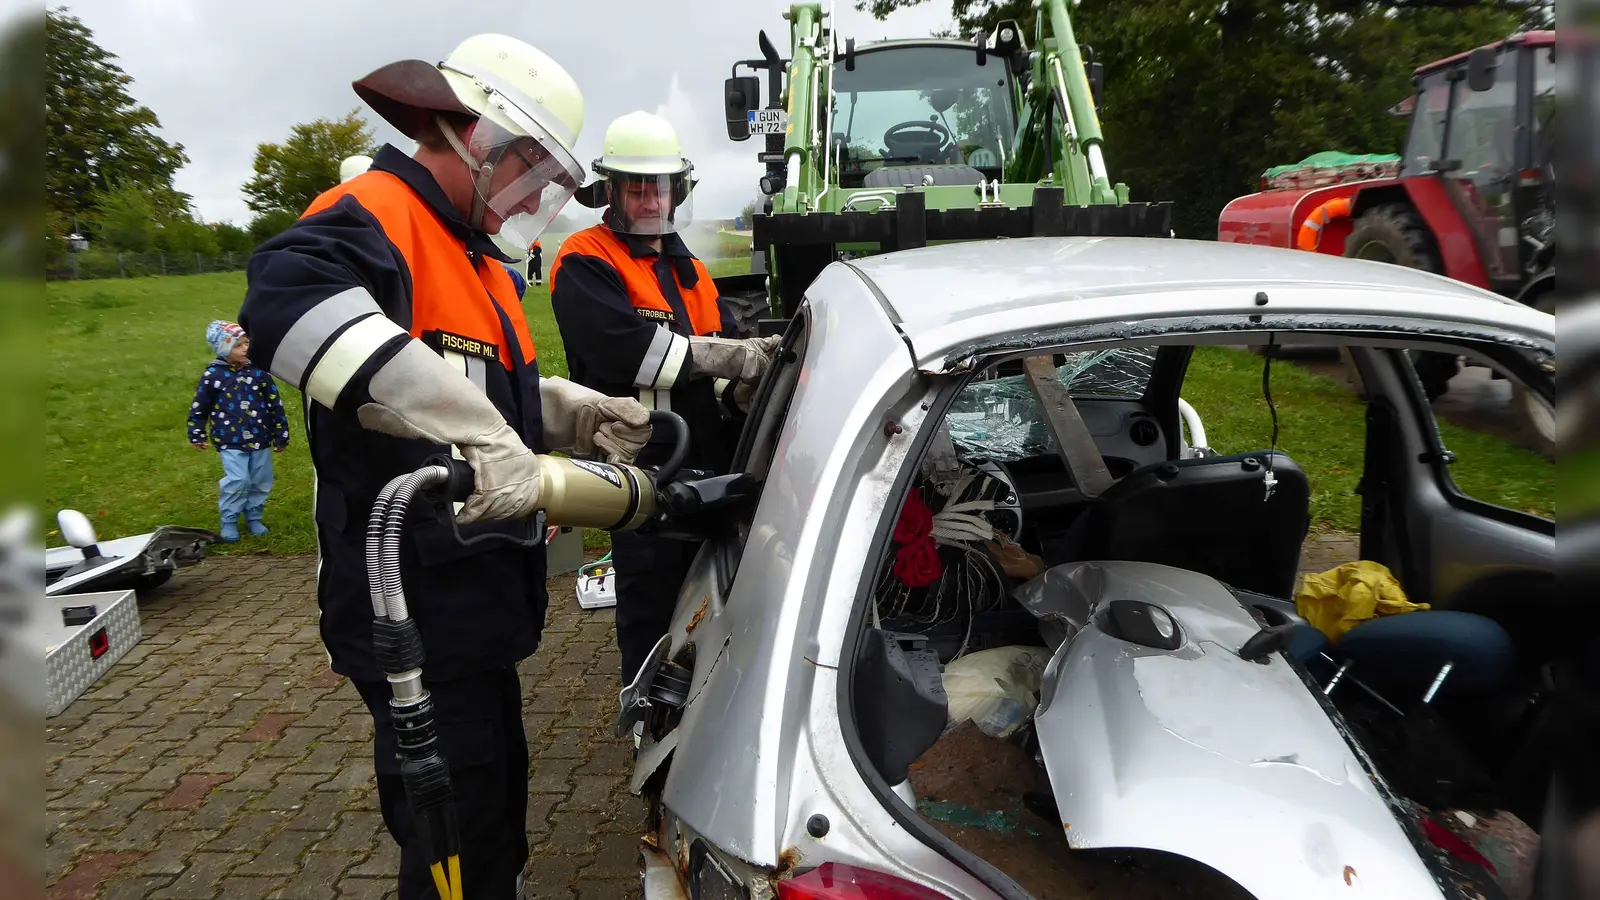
(935, 293)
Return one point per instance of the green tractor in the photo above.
(905, 143)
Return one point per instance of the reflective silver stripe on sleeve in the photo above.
(313, 329)
(346, 354)
(478, 372)
(677, 356)
(663, 361)
(651, 399)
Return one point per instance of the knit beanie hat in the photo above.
(222, 336)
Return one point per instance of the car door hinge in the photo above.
(1437, 456)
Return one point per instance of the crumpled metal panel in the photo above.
(1000, 418)
(1198, 752)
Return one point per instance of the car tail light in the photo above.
(836, 881)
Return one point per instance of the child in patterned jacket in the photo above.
(241, 404)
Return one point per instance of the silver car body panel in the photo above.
(760, 747)
(952, 295)
(1199, 752)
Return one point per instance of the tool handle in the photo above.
(457, 486)
(680, 449)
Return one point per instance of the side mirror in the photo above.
(77, 531)
(740, 95)
(1481, 65)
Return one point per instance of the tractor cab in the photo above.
(1483, 121)
(906, 110)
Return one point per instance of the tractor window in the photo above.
(919, 106)
(1483, 132)
(1425, 143)
(1544, 103)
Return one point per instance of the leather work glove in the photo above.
(744, 359)
(418, 395)
(587, 423)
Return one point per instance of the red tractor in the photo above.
(1471, 197)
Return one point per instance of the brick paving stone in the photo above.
(318, 877)
(291, 792)
(353, 888)
(85, 878)
(191, 791)
(551, 876)
(137, 888)
(281, 856)
(616, 856)
(201, 878)
(231, 758)
(384, 861)
(270, 726)
(171, 855)
(356, 832)
(320, 812)
(116, 810)
(246, 832)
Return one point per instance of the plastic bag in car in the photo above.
(996, 689)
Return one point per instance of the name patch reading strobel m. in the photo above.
(606, 472)
(655, 315)
(445, 340)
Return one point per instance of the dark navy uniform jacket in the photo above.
(626, 313)
(375, 263)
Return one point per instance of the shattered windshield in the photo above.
(999, 417)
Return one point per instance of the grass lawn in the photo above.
(122, 357)
(1321, 426)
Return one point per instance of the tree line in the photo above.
(109, 172)
(1200, 97)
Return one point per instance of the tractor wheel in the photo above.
(748, 309)
(1395, 233)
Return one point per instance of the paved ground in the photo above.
(221, 757)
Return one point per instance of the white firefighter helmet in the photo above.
(353, 166)
(526, 111)
(644, 178)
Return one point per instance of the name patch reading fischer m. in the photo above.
(445, 340)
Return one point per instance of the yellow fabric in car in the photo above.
(1339, 599)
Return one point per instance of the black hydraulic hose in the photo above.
(394, 523)
(680, 449)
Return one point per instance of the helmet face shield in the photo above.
(524, 175)
(649, 205)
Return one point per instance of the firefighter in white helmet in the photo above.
(641, 318)
(388, 307)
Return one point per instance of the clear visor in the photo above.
(649, 205)
(532, 176)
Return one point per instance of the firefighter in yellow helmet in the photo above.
(388, 307)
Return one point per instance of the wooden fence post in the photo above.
(121, 272)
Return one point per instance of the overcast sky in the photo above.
(226, 76)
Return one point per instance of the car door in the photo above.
(1448, 549)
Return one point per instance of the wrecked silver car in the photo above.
(995, 548)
